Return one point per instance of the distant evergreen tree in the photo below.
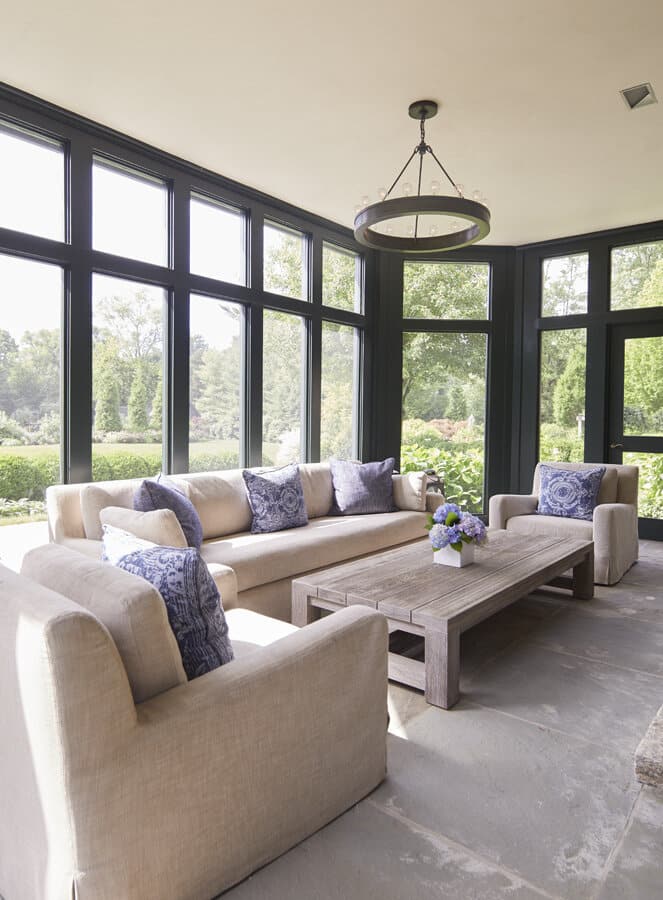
(137, 419)
(107, 408)
(157, 406)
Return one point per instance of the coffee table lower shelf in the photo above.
(473, 595)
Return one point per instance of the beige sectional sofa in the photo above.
(253, 571)
(120, 779)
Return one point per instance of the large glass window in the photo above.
(562, 395)
(650, 482)
(31, 183)
(564, 285)
(218, 240)
(215, 365)
(127, 378)
(435, 290)
(129, 213)
(341, 278)
(283, 420)
(31, 295)
(285, 261)
(643, 386)
(338, 426)
(637, 276)
(444, 409)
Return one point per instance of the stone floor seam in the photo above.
(612, 856)
(461, 848)
(542, 726)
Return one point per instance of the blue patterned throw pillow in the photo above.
(568, 493)
(162, 494)
(361, 488)
(276, 499)
(194, 607)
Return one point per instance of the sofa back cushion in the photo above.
(95, 497)
(220, 501)
(131, 609)
(410, 491)
(317, 487)
(160, 526)
(608, 489)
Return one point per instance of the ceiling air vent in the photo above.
(640, 95)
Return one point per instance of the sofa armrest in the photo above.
(615, 539)
(433, 500)
(248, 759)
(505, 506)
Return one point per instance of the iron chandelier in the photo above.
(474, 214)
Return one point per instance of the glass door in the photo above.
(636, 415)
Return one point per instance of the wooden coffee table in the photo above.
(440, 602)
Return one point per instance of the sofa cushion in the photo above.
(410, 490)
(249, 631)
(163, 494)
(131, 609)
(609, 482)
(570, 494)
(95, 497)
(262, 558)
(317, 487)
(161, 526)
(221, 502)
(554, 526)
(192, 599)
(276, 499)
(361, 488)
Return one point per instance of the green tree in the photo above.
(569, 392)
(107, 406)
(218, 400)
(137, 418)
(156, 415)
(457, 407)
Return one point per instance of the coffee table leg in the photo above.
(442, 666)
(302, 611)
(583, 578)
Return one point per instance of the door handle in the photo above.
(616, 446)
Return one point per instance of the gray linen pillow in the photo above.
(361, 488)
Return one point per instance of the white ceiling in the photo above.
(308, 100)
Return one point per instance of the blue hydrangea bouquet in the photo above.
(455, 533)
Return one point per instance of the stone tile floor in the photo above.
(526, 788)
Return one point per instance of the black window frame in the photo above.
(84, 140)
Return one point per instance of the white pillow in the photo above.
(160, 526)
(410, 491)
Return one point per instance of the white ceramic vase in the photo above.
(447, 556)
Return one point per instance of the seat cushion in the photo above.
(131, 609)
(262, 558)
(551, 525)
(249, 631)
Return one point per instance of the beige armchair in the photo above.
(614, 528)
(183, 794)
